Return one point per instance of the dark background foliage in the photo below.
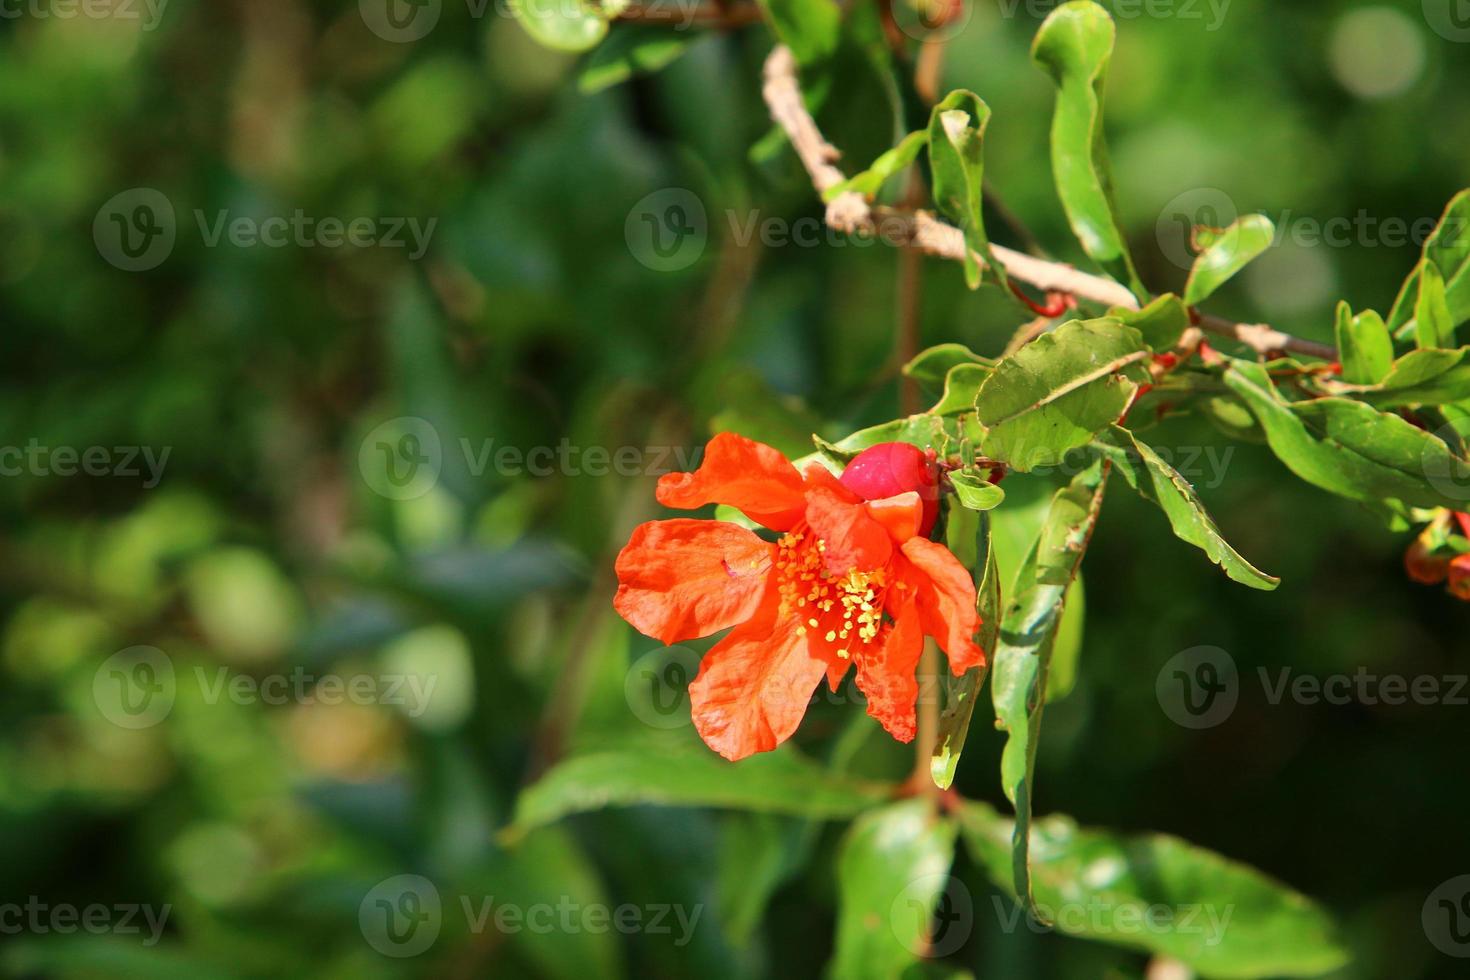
(531, 321)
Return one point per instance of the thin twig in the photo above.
(851, 213)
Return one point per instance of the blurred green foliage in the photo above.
(270, 549)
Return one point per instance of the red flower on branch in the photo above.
(850, 581)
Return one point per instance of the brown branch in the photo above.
(851, 213)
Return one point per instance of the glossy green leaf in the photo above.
(927, 431)
(632, 49)
(1074, 46)
(895, 161)
(690, 775)
(1232, 250)
(1161, 322)
(961, 388)
(561, 24)
(957, 161)
(1433, 327)
(1448, 248)
(1350, 448)
(975, 493)
(1364, 346)
(1061, 673)
(892, 868)
(1159, 483)
(1052, 395)
(1027, 640)
(970, 537)
(1162, 895)
(1420, 377)
(810, 28)
(931, 368)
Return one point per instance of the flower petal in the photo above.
(741, 473)
(853, 539)
(946, 595)
(886, 674)
(902, 515)
(682, 579)
(754, 687)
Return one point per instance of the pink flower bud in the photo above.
(891, 468)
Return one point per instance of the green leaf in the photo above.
(1061, 673)
(892, 868)
(927, 431)
(631, 49)
(957, 160)
(1448, 248)
(1159, 483)
(871, 180)
(931, 368)
(1161, 322)
(1052, 395)
(1027, 640)
(963, 692)
(810, 28)
(659, 773)
(975, 493)
(1350, 448)
(1433, 326)
(758, 853)
(1420, 377)
(1364, 346)
(1235, 248)
(1074, 46)
(567, 25)
(1226, 919)
(961, 388)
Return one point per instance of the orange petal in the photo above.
(741, 473)
(901, 515)
(852, 538)
(946, 595)
(886, 674)
(818, 477)
(682, 579)
(754, 687)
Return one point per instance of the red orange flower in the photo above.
(850, 581)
